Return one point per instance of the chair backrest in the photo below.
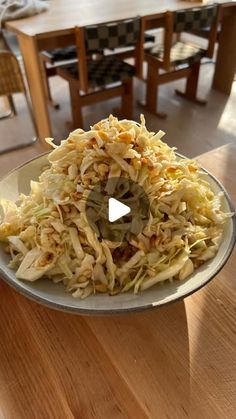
(181, 21)
(196, 18)
(111, 35)
(3, 42)
(94, 39)
(11, 80)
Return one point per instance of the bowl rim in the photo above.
(119, 311)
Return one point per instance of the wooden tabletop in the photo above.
(175, 362)
(65, 15)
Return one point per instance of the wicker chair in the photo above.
(11, 81)
(7, 99)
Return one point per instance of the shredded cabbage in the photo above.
(47, 232)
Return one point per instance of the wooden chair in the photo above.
(94, 79)
(11, 82)
(51, 59)
(176, 59)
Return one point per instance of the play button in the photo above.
(116, 210)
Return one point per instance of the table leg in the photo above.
(226, 58)
(29, 50)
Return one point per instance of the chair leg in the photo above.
(76, 110)
(8, 112)
(13, 110)
(127, 99)
(12, 104)
(31, 115)
(152, 92)
(47, 88)
(191, 86)
(9, 104)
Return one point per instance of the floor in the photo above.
(191, 128)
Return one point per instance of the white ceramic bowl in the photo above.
(53, 295)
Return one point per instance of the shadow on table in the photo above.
(62, 365)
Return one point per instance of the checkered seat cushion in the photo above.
(181, 53)
(103, 72)
(3, 43)
(61, 54)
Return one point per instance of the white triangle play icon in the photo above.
(116, 209)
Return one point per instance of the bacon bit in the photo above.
(141, 246)
(192, 168)
(151, 168)
(97, 126)
(82, 279)
(56, 237)
(91, 143)
(90, 146)
(115, 291)
(158, 241)
(153, 241)
(144, 160)
(171, 169)
(65, 169)
(197, 263)
(48, 230)
(136, 163)
(45, 259)
(103, 169)
(151, 272)
(159, 154)
(76, 195)
(100, 287)
(103, 135)
(82, 238)
(125, 137)
(139, 149)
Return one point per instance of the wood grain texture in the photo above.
(212, 315)
(176, 362)
(53, 366)
(64, 15)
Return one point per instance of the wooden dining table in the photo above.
(55, 28)
(175, 362)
